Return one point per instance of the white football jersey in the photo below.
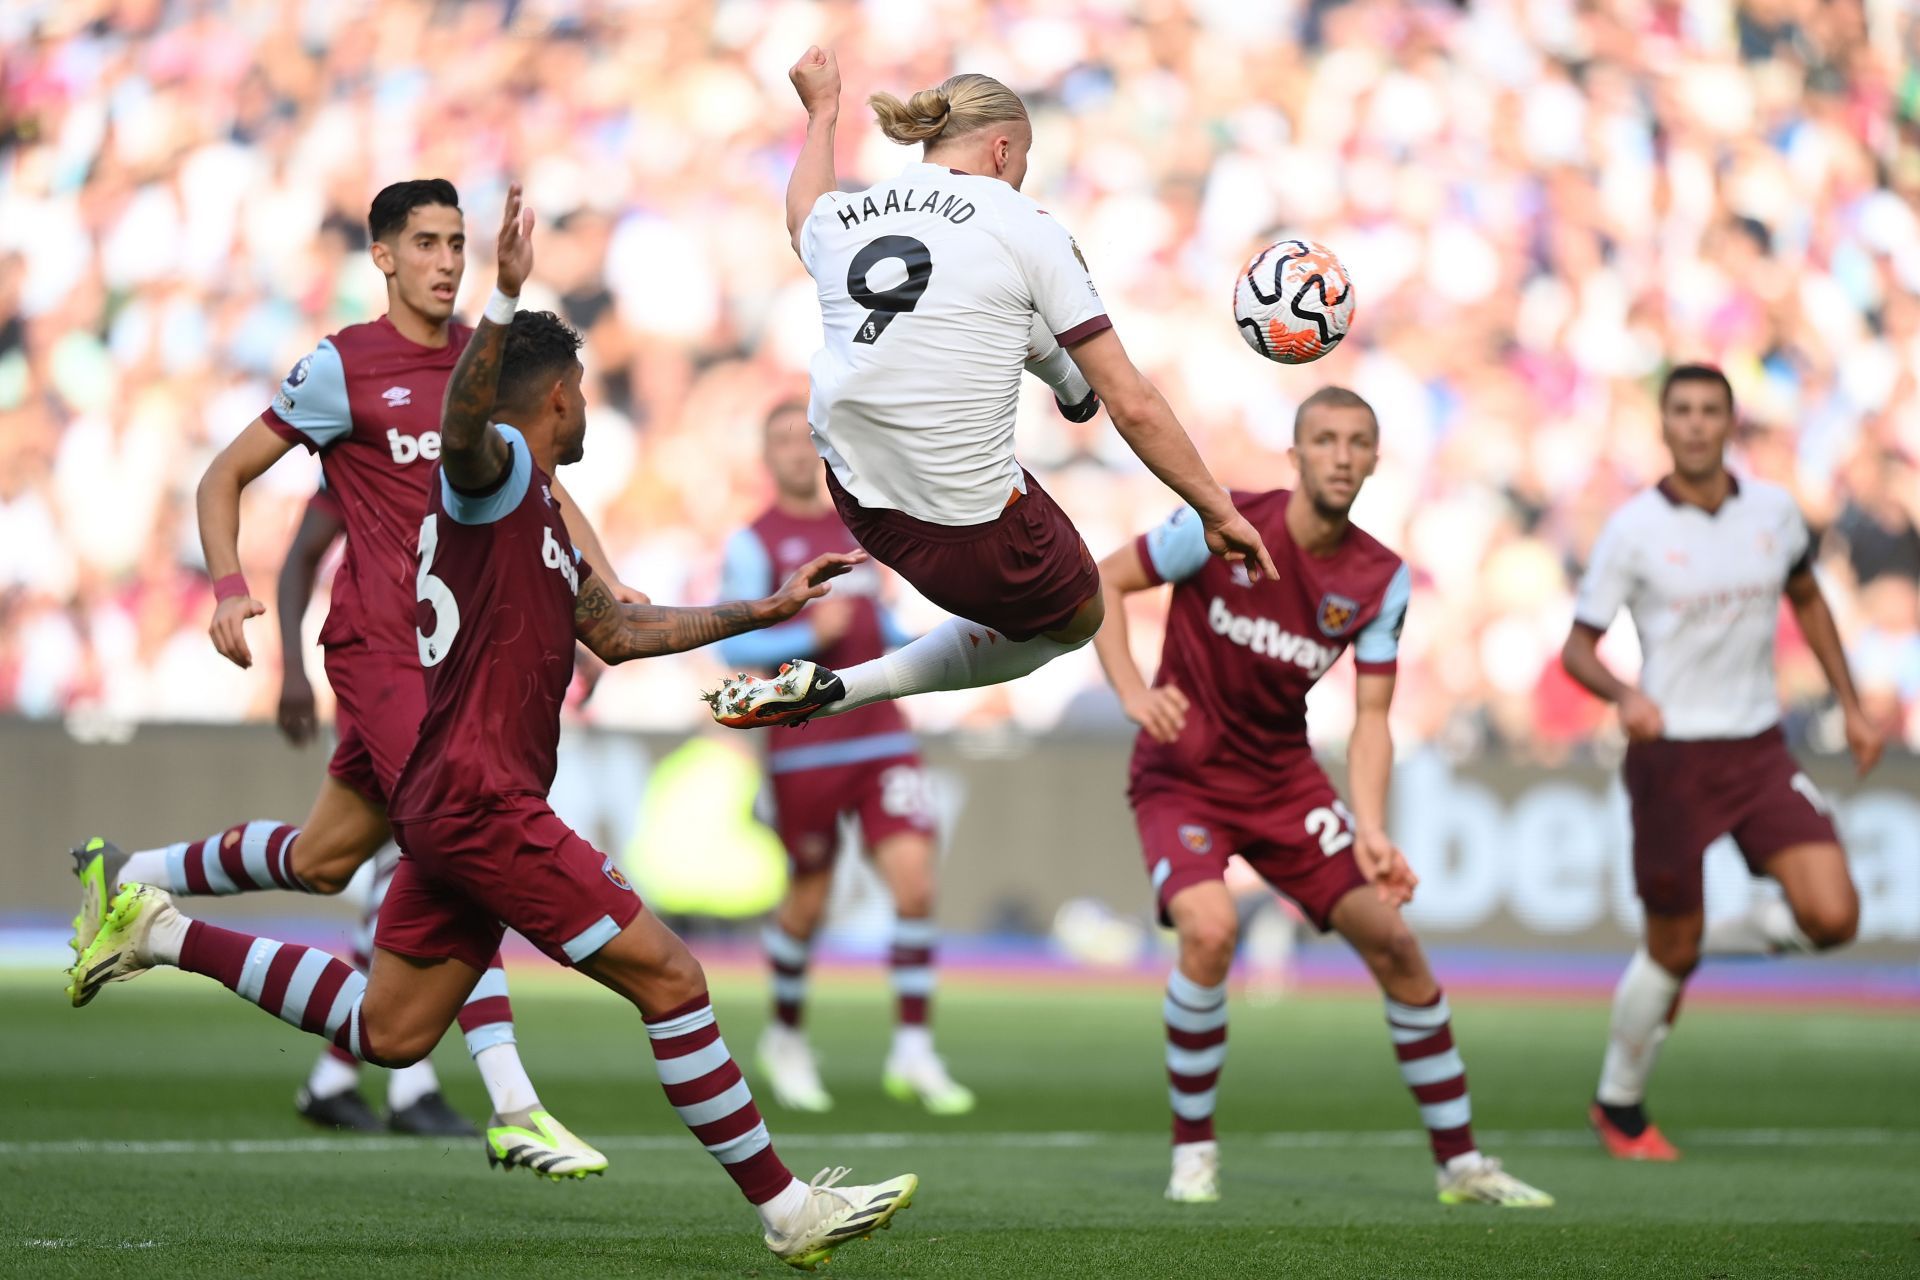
(1704, 592)
(929, 285)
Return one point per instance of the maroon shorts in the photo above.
(1686, 795)
(1300, 839)
(887, 796)
(466, 878)
(380, 700)
(1023, 574)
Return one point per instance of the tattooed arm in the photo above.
(473, 454)
(618, 632)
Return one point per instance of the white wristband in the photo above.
(500, 307)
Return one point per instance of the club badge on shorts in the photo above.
(614, 874)
(1336, 614)
(1197, 839)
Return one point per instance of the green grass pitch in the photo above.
(152, 1134)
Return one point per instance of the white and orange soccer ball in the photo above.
(1293, 302)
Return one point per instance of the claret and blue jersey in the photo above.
(1245, 653)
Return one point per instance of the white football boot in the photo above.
(1477, 1179)
(832, 1214)
(1196, 1173)
(786, 1060)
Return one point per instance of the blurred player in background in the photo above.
(865, 766)
(929, 287)
(367, 400)
(1222, 766)
(1700, 561)
(505, 595)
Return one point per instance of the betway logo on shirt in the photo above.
(407, 448)
(556, 558)
(1264, 636)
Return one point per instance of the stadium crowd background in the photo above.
(1540, 203)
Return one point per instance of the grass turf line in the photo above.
(172, 1059)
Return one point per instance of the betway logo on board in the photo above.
(1264, 636)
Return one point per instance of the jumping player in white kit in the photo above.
(930, 286)
(1701, 561)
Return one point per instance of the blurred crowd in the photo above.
(1542, 203)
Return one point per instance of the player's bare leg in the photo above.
(957, 654)
(1645, 1004)
(1420, 1024)
(914, 1071)
(650, 966)
(1195, 1011)
(785, 1057)
(1820, 909)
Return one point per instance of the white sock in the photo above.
(506, 1078)
(912, 1042)
(1765, 928)
(1464, 1161)
(330, 1076)
(957, 654)
(1641, 1004)
(410, 1084)
(166, 937)
(149, 866)
(777, 1212)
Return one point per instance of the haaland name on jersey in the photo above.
(952, 208)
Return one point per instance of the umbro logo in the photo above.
(397, 396)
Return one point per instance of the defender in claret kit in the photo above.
(367, 401)
(506, 595)
(1222, 766)
(863, 767)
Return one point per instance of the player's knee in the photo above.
(1399, 954)
(679, 977)
(1207, 942)
(1830, 924)
(395, 1047)
(322, 870)
(913, 897)
(1678, 956)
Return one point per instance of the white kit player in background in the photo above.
(1701, 561)
(930, 286)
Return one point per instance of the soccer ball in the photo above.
(1293, 302)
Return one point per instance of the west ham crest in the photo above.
(614, 874)
(1336, 614)
(1196, 839)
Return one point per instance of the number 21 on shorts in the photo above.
(1332, 826)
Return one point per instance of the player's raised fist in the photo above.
(229, 637)
(809, 582)
(516, 244)
(816, 78)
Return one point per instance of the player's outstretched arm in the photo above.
(618, 632)
(1823, 637)
(318, 528)
(816, 78)
(1161, 710)
(1369, 770)
(218, 503)
(472, 453)
(1146, 422)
